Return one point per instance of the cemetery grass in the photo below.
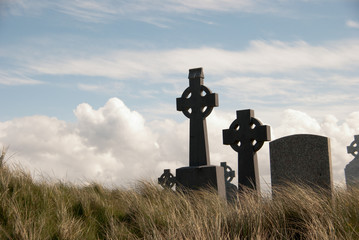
(46, 210)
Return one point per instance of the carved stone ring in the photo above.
(207, 109)
(254, 123)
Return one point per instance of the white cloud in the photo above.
(99, 11)
(10, 78)
(115, 145)
(110, 145)
(260, 89)
(352, 24)
(109, 88)
(261, 57)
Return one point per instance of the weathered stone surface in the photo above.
(301, 158)
(202, 177)
(352, 169)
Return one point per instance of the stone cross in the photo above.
(231, 189)
(352, 169)
(196, 103)
(353, 148)
(167, 180)
(246, 136)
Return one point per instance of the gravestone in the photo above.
(246, 136)
(231, 189)
(352, 168)
(196, 103)
(167, 180)
(302, 159)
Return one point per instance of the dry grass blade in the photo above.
(40, 210)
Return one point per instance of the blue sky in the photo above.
(80, 80)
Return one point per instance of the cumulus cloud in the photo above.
(110, 145)
(115, 145)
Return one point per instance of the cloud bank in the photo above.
(116, 146)
(261, 57)
(107, 10)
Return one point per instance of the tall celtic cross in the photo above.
(196, 103)
(246, 136)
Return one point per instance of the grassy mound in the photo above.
(33, 210)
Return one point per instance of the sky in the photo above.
(88, 88)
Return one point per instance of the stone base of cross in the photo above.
(202, 177)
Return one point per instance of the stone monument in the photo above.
(352, 168)
(196, 103)
(302, 159)
(231, 189)
(246, 135)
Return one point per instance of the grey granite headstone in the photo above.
(303, 159)
(352, 168)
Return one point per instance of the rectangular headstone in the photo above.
(303, 159)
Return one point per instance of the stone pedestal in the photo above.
(200, 177)
(352, 173)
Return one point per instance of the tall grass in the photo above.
(41, 210)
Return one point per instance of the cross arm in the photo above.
(182, 104)
(210, 100)
(262, 133)
(229, 136)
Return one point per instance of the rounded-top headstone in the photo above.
(303, 159)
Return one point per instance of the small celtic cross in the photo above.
(196, 103)
(167, 180)
(353, 148)
(246, 136)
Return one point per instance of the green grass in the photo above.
(42, 210)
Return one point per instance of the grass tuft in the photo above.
(41, 210)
